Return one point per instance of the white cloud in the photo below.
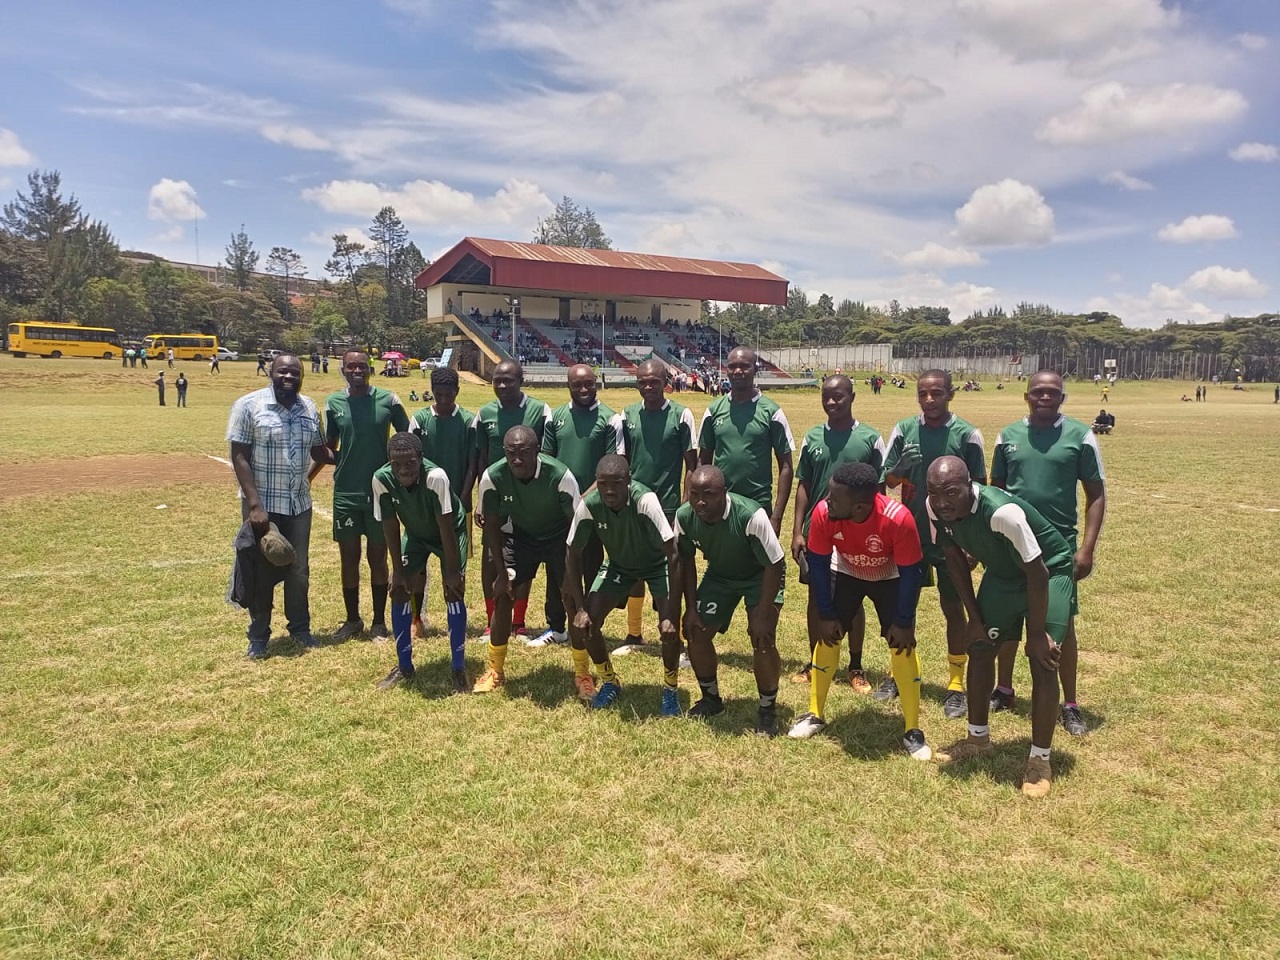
(1160, 303)
(1042, 29)
(176, 232)
(920, 289)
(1210, 226)
(934, 256)
(670, 239)
(836, 95)
(12, 152)
(173, 201)
(1006, 213)
(356, 234)
(432, 203)
(1227, 283)
(1253, 42)
(1111, 112)
(292, 136)
(1118, 178)
(1256, 153)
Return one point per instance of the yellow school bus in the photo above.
(56, 340)
(185, 346)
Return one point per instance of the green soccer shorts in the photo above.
(353, 519)
(719, 598)
(1003, 605)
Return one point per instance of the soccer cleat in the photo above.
(483, 638)
(546, 638)
(684, 661)
(913, 743)
(858, 681)
(257, 650)
(955, 705)
(419, 629)
(395, 678)
(379, 633)
(966, 749)
(586, 687)
(1073, 722)
(806, 726)
(767, 721)
(888, 690)
(606, 696)
(489, 681)
(460, 682)
(708, 706)
(1001, 701)
(351, 628)
(1038, 778)
(631, 644)
(521, 634)
(306, 640)
(670, 703)
(801, 676)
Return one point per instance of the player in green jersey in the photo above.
(528, 500)
(448, 435)
(412, 490)
(745, 564)
(358, 421)
(579, 434)
(1041, 459)
(658, 441)
(1027, 579)
(627, 518)
(842, 439)
(741, 433)
(913, 446)
(511, 407)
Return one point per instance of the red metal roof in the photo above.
(604, 273)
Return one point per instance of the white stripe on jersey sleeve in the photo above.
(438, 483)
(650, 507)
(999, 438)
(706, 415)
(686, 418)
(486, 483)
(570, 486)
(882, 449)
(1010, 521)
(780, 417)
(933, 521)
(378, 491)
(618, 424)
(976, 439)
(580, 515)
(1091, 441)
(760, 528)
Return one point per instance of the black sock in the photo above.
(420, 604)
(768, 698)
(855, 661)
(710, 688)
(379, 602)
(351, 597)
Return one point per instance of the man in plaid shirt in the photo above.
(275, 434)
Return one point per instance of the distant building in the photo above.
(220, 276)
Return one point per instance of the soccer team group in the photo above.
(614, 505)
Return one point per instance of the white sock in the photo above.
(979, 730)
(1041, 753)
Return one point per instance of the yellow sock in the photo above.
(606, 672)
(498, 658)
(825, 660)
(671, 677)
(955, 671)
(581, 662)
(635, 610)
(906, 673)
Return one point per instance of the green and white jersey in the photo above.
(825, 449)
(1044, 465)
(1002, 532)
(418, 506)
(360, 427)
(540, 507)
(493, 421)
(744, 522)
(655, 443)
(954, 438)
(743, 438)
(449, 442)
(632, 537)
(579, 438)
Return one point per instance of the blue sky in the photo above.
(1096, 154)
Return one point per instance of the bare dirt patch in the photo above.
(100, 474)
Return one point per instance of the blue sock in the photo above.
(402, 629)
(456, 616)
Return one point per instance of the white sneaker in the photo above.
(806, 726)
(684, 662)
(917, 749)
(547, 638)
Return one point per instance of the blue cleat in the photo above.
(606, 696)
(670, 703)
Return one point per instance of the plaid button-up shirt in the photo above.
(281, 439)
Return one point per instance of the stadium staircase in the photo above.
(476, 333)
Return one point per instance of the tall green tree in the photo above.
(287, 264)
(241, 259)
(572, 226)
(22, 269)
(390, 238)
(344, 266)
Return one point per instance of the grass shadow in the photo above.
(867, 734)
(1006, 765)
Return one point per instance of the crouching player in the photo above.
(871, 546)
(414, 491)
(627, 518)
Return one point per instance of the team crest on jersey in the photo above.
(837, 535)
(875, 544)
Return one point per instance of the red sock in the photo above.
(518, 610)
(488, 609)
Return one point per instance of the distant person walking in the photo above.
(262, 365)
(213, 364)
(142, 355)
(124, 358)
(181, 384)
(160, 387)
(170, 358)
(132, 356)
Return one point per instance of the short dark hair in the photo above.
(444, 377)
(859, 477)
(943, 375)
(405, 442)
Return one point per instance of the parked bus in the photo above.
(185, 346)
(63, 340)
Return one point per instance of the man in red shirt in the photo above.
(862, 544)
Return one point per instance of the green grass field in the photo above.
(162, 797)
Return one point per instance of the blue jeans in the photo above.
(297, 581)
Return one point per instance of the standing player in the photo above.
(580, 434)
(627, 518)
(914, 445)
(536, 496)
(358, 421)
(657, 438)
(745, 564)
(512, 407)
(742, 432)
(1041, 458)
(871, 546)
(1028, 578)
(448, 435)
(412, 490)
(842, 439)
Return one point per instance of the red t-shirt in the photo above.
(871, 550)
